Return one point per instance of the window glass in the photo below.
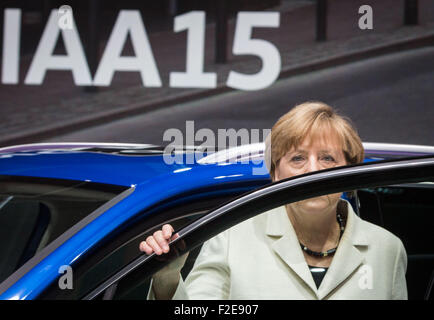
(263, 258)
(407, 210)
(35, 211)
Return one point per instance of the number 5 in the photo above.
(266, 51)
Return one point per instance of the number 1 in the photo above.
(194, 76)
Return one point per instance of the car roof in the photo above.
(111, 163)
(129, 164)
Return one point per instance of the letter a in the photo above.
(74, 60)
(366, 21)
(128, 21)
(65, 281)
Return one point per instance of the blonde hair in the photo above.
(311, 119)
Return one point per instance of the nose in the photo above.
(313, 164)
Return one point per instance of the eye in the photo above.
(328, 158)
(297, 158)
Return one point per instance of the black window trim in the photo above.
(19, 273)
(304, 186)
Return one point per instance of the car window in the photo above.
(35, 211)
(135, 283)
(407, 210)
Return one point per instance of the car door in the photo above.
(132, 282)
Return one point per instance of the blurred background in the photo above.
(375, 67)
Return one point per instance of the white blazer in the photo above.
(261, 259)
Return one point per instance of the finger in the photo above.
(154, 245)
(175, 236)
(167, 231)
(145, 248)
(162, 242)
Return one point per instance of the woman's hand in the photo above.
(159, 243)
(166, 280)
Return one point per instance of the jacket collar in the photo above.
(346, 259)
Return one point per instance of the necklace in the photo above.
(328, 252)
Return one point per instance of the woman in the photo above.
(312, 249)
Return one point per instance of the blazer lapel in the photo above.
(286, 245)
(347, 258)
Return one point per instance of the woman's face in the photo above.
(312, 155)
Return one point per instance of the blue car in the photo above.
(72, 215)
